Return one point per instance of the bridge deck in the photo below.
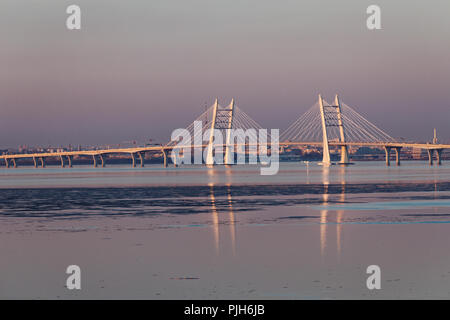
(166, 148)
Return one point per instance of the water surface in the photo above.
(226, 232)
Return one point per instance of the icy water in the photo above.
(226, 233)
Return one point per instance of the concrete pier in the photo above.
(102, 160)
(165, 157)
(439, 156)
(430, 156)
(62, 161)
(141, 158)
(387, 151)
(345, 159)
(69, 161)
(397, 155)
(133, 159)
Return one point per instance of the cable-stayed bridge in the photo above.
(323, 125)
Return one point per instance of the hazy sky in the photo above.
(139, 69)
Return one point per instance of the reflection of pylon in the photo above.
(216, 209)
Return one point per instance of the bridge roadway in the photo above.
(139, 151)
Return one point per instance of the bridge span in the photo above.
(137, 153)
(324, 125)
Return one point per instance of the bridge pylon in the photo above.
(222, 119)
(209, 154)
(229, 156)
(344, 148)
(326, 160)
(331, 116)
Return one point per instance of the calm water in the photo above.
(206, 233)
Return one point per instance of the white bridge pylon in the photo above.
(337, 122)
(222, 119)
(219, 118)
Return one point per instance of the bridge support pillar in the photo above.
(62, 161)
(14, 162)
(6, 162)
(42, 160)
(430, 156)
(165, 157)
(133, 159)
(35, 162)
(102, 160)
(141, 158)
(94, 158)
(397, 155)
(69, 161)
(387, 151)
(174, 160)
(438, 156)
(344, 155)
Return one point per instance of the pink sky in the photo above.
(138, 70)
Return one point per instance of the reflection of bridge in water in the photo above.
(216, 221)
(324, 125)
(215, 213)
(324, 214)
(223, 214)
